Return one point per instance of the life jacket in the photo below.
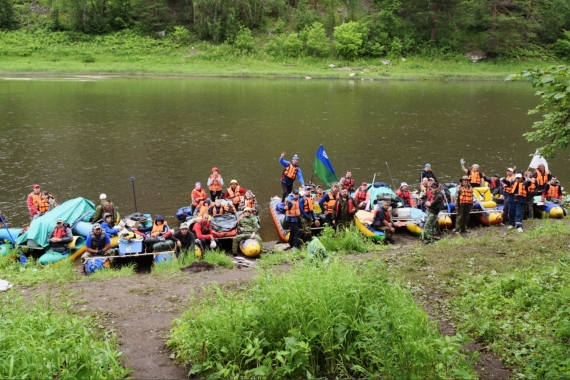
(36, 200)
(507, 188)
(318, 196)
(198, 195)
(474, 177)
(430, 195)
(215, 185)
(329, 206)
(360, 196)
(348, 184)
(234, 195)
(250, 203)
(387, 217)
(553, 192)
(205, 227)
(350, 205)
(218, 210)
(59, 232)
(541, 179)
(406, 197)
(518, 189)
(466, 196)
(308, 204)
(531, 188)
(290, 172)
(44, 205)
(97, 244)
(157, 229)
(493, 183)
(293, 211)
(203, 209)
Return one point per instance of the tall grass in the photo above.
(31, 274)
(347, 240)
(342, 321)
(40, 343)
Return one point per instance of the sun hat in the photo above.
(247, 209)
(233, 181)
(464, 178)
(510, 170)
(103, 196)
(403, 184)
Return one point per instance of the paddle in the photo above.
(6, 227)
(134, 194)
(390, 172)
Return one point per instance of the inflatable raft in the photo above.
(278, 218)
(363, 220)
(547, 209)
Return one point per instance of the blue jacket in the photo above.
(108, 230)
(302, 208)
(287, 180)
(324, 199)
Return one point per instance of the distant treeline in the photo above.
(491, 28)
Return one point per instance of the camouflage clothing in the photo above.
(246, 226)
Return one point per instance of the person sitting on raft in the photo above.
(60, 237)
(215, 183)
(383, 221)
(427, 173)
(328, 201)
(344, 210)
(476, 178)
(248, 228)
(425, 192)
(404, 193)
(218, 208)
(204, 233)
(160, 232)
(235, 193)
(198, 196)
(34, 200)
(184, 239)
(97, 244)
(542, 178)
(108, 226)
(552, 191)
(361, 196)
(250, 201)
(103, 208)
(291, 172)
(347, 182)
(203, 208)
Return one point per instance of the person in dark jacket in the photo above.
(383, 222)
(60, 237)
(344, 210)
(427, 173)
(433, 208)
(184, 239)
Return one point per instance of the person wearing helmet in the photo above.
(248, 228)
(104, 207)
(215, 183)
(235, 193)
(108, 226)
(184, 238)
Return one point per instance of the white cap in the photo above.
(103, 196)
(403, 184)
(510, 170)
(518, 175)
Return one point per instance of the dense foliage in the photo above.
(349, 28)
(340, 321)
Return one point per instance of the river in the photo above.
(82, 136)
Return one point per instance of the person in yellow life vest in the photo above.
(476, 178)
(542, 177)
(198, 196)
(328, 201)
(464, 202)
(250, 201)
(516, 197)
(215, 183)
(531, 192)
(218, 208)
(292, 216)
(552, 191)
(235, 193)
(291, 172)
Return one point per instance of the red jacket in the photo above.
(197, 228)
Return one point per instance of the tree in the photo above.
(553, 86)
(7, 15)
(349, 39)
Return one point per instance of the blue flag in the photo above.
(323, 168)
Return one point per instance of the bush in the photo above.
(336, 322)
(349, 39)
(279, 27)
(348, 240)
(292, 45)
(180, 36)
(317, 41)
(7, 15)
(244, 41)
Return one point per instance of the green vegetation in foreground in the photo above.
(342, 320)
(507, 290)
(39, 342)
(217, 257)
(129, 53)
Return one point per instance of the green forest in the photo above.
(492, 29)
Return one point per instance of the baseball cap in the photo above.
(295, 157)
(36, 186)
(403, 184)
(233, 181)
(428, 166)
(184, 225)
(103, 196)
(518, 175)
(295, 191)
(96, 226)
(59, 221)
(510, 170)
(247, 209)
(364, 184)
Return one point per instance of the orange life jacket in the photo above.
(36, 200)
(507, 188)
(290, 171)
(234, 195)
(553, 192)
(198, 196)
(250, 203)
(215, 185)
(329, 206)
(518, 189)
(294, 210)
(466, 196)
(58, 232)
(308, 204)
(222, 210)
(157, 229)
(475, 177)
(531, 188)
(44, 205)
(541, 179)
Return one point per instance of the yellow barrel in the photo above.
(250, 247)
(444, 221)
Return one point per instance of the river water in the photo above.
(86, 135)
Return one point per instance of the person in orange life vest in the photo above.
(476, 178)
(292, 216)
(198, 196)
(361, 195)
(308, 216)
(427, 173)
(34, 200)
(404, 193)
(552, 191)
(291, 172)
(250, 201)
(47, 202)
(235, 193)
(383, 221)
(60, 237)
(344, 210)
(542, 178)
(328, 201)
(464, 202)
(203, 208)
(506, 187)
(347, 182)
(516, 197)
(215, 183)
(218, 208)
(203, 231)
(530, 193)
(159, 232)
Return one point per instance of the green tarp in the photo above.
(42, 227)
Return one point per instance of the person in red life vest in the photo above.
(516, 197)
(203, 231)
(328, 201)
(292, 216)
(235, 193)
(427, 173)
(542, 178)
(464, 202)
(60, 237)
(552, 191)
(291, 172)
(198, 196)
(215, 183)
(404, 193)
(34, 200)
(530, 193)
(218, 208)
(361, 195)
(344, 210)
(476, 178)
(383, 221)
(347, 182)
(250, 201)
